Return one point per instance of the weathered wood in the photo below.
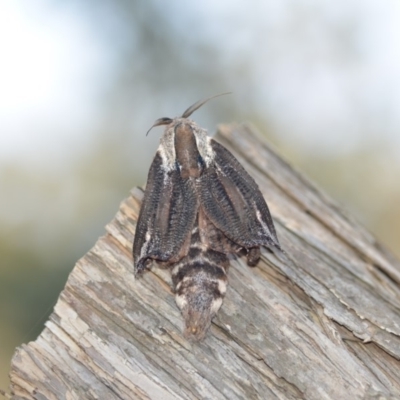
(325, 325)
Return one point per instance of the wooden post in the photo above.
(325, 326)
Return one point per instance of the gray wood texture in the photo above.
(321, 323)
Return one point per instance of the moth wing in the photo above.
(214, 238)
(166, 217)
(233, 202)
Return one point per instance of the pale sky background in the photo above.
(55, 67)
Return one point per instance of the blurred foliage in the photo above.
(50, 217)
(28, 291)
(363, 181)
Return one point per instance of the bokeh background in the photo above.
(82, 81)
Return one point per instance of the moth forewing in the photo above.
(166, 217)
(199, 206)
(233, 202)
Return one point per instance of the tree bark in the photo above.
(324, 323)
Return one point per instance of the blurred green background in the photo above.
(82, 81)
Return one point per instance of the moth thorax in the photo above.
(187, 154)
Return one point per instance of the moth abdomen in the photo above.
(200, 283)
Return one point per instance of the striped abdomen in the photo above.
(200, 282)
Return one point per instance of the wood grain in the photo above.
(322, 322)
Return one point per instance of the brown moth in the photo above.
(199, 206)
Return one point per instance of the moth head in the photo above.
(186, 114)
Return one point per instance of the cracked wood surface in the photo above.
(321, 323)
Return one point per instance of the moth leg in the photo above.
(241, 252)
(253, 256)
(146, 264)
(163, 264)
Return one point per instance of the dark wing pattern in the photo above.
(166, 217)
(233, 202)
(214, 238)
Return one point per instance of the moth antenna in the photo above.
(198, 104)
(160, 121)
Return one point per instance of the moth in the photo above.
(199, 206)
